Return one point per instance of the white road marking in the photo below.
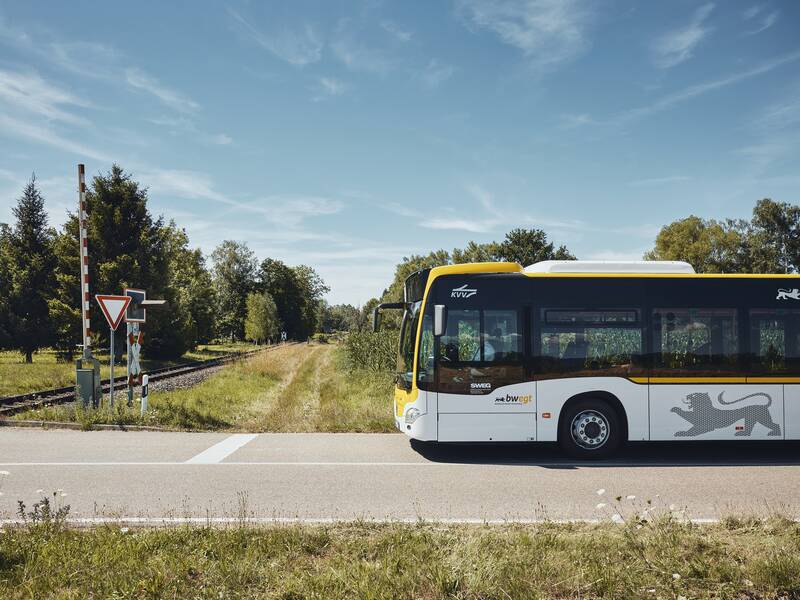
(149, 521)
(220, 451)
(570, 465)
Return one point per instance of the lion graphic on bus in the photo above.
(784, 294)
(705, 417)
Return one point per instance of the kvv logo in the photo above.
(463, 292)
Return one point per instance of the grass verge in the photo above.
(45, 372)
(664, 558)
(299, 388)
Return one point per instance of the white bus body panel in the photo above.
(791, 411)
(694, 412)
(487, 427)
(552, 394)
(506, 414)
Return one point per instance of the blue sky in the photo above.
(346, 135)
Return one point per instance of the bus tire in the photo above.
(590, 429)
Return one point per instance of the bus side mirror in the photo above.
(376, 319)
(439, 319)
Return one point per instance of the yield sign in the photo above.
(113, 308)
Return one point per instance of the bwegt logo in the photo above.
(463, 292)
(509, 399)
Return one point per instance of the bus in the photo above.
(592, 354)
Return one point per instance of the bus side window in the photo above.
(696, 340)
(774, 340)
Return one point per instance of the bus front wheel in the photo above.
(590, 429)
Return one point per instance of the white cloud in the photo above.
(436, 73)
(141, 80)
(43, 135)
(548, 32)
(573, 121)
(221, 139)
(298, 47)
(28, 92)
(400, 34)
(332, 86)
(764, 22)
(700, 89)
(358, 57)
(678, 45)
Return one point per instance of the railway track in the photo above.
(14, 404)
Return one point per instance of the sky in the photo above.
(347, 135)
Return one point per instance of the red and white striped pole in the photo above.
(86, 326)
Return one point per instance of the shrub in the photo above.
(372, 351)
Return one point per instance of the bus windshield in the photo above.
(408, 339)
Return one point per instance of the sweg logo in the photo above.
(509, 399)
(480, 386)
(463, 292)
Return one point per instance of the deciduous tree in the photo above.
(262, 321)
(234, 278)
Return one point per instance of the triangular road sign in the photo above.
(113, 308)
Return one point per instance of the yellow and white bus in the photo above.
(592, 354)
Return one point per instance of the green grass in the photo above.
(739, 559)
(296, 388)
(45, 372)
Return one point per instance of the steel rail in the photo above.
(13, 404)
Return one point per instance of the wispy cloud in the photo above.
(44, 135)
(400, 34)
(485, 223)
(675, 98)
(30, 93)
(357, 57)
(436, 73)
(678, 45)
(762, 19)
(573, 121)
(182, 124)
(548, 32)
(140, 80)
(330, 86)
(298, 47)
(658, 181)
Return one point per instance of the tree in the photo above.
(234, 278)
(30, 262)
(5, 286)
(476, 253)
(528, 246)
(64, 305)
(262, 321)
(312, 289)
(709, 246)
(774, 237)
(192, 282)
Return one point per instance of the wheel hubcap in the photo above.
(590, 429)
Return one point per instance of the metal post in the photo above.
(84, 254)
(128, 331)
(111, 390)
(145, 381)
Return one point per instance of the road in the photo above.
(219, 477)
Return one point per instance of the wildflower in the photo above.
(124, 530)
(40, 491)
(676, 576)
(672, 507)
(617, 518)
(601, 505)
(631, 497)
(601, 491)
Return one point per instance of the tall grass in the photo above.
(295, 388)
(659, 559)
(376, 352)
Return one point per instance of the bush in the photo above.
(375, 352)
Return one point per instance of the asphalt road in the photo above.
(218, 477)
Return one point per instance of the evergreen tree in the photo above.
(5, 286)
(30, 261)
(234, 278)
